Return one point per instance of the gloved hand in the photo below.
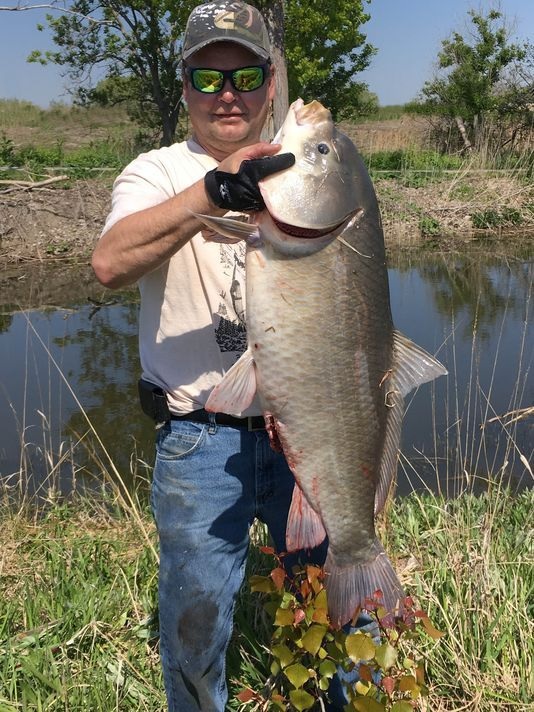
(239, 191)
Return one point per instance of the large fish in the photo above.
(329, 368)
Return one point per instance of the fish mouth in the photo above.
(305, 233)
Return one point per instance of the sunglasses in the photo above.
(211, 81)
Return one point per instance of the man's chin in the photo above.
(232, 133)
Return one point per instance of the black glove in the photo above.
(239, 191)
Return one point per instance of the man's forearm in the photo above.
(142, 241)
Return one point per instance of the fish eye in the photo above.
(323, 148)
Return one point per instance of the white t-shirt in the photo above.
(192, 316)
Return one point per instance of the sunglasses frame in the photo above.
(228, 74)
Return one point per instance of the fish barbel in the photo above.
(330, 370)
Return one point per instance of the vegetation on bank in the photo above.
(78, 611)
(427, 197)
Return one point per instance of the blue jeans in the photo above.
(209, 484)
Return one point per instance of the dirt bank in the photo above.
(60, 223)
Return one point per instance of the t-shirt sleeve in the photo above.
(142, 184)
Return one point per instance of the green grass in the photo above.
(15, 113)
(78, 612)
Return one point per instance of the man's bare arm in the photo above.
(142, 241)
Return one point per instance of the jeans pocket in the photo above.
(180, 440)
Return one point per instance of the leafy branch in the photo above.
(307, 650)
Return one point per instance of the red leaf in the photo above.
(246, 695)
(278, 576)
(267, 550)
(299, 616)
(365, 673)
(369, 604)
(388, 683)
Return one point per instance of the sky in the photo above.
(407, 34)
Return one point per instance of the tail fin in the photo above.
(348, 586)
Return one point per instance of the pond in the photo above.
(69, 370)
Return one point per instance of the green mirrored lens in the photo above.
(248, 79)
(207, 80)
(210, 81)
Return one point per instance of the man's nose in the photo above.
(227, 91)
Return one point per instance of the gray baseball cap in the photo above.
(226, 21)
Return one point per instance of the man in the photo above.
(213, 473)
(210, 478)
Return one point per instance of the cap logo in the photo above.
(230, 20)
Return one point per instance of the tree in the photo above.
(470, 90)
(325, 49)
(136, 45)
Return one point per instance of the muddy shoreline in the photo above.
(47, 235)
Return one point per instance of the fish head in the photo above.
(312, 202)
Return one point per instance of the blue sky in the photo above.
(407, 33)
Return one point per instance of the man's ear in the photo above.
(272, 83)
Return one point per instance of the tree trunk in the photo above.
(273, 12)
(168, 127)
(463, 133)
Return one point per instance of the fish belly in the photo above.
(320, 330)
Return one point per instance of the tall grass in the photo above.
(78, 601)
(15, 113)
(78, 608)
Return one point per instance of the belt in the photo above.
(252, 422)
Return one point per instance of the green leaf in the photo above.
(283, 654)
(385, 656)
(324, 683)
(368, 704)
(407, 683)
(327, 668)
(301, 700)
(297, 675)
(359, 647)
(312, 639)
(401, 706)
(262, 584)
(284, 616)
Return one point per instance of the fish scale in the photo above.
(306, 337)
(330, 371)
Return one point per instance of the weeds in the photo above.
(78, 612)
(375, 666)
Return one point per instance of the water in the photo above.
(68, 375)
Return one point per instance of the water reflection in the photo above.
(472, 311)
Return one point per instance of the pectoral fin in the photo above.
(230, 227)
(236, 391)
(411, 367)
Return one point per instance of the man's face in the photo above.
(227, 120)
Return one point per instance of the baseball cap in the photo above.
(229, 21)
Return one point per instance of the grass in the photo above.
(78, 611)
(78, 595)
(474, 560)
(484, 191)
